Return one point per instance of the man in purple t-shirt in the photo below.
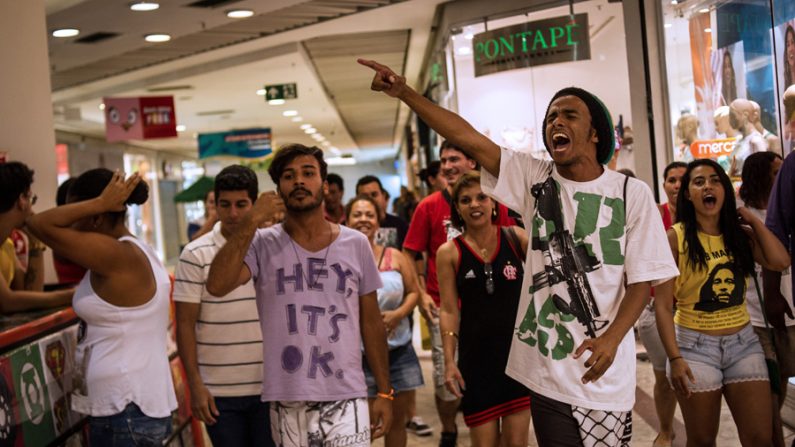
(316, 285)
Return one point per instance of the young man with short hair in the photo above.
(219, 338)
(316, 285)
(597, 246)
(393, 228)
(16, 205)
(334, 210)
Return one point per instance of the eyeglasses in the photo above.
(489, 278)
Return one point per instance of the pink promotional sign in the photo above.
(141, 118)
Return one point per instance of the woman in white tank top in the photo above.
(124, 379)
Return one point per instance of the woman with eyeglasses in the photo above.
(713, 352)
(396, 300)
(124, 380)
(482, 271)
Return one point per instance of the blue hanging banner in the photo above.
(246, 143)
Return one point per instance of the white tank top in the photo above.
(121, 351)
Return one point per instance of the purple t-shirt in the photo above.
(781, 207)
(309, 312)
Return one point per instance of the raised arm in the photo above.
(449, 125)
(228, 270)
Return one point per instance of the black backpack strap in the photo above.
(626, 180)
(514, 243)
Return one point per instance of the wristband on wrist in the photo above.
(388, 396)
(671, 360)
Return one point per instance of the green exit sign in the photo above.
(281, 91)
(558, 39)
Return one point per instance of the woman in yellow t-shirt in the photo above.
(712, 349)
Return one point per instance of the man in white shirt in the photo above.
(219, 338)
(593, 230)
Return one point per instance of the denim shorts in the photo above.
(718, 360)
(129, 428)
(404, 371)
(647, 331)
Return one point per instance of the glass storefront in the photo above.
(729, 64)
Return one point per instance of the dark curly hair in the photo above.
(237, 178)
(288, 153)
(91, 183)
(15, 180)
(757, 181)
(735, 240)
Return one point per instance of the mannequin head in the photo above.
(687, 128)
(722, 122)
(740, 116)
(756, 116)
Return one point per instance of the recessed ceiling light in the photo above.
(668, 25)
(181, 128)
(305, 126)
(703, 10)
(310, 131)
(156, 38)
(66, 32)
(317, 137)
(297, 119)
(239, 13)
(290, 113)
(102, 106)
(144, 6)
(261, 92)
(276, 102)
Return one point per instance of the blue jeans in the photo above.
(130, 428)
(242, 421)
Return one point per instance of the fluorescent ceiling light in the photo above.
(668, 25)
(157, 38)
(66, 32)
(297, 119)
(305, 126)
(276, 102)
(181, 128)
(261, 92)
(703, 10)
(310, 130)
(317, 137)
(239, 13)
(290, 113)
(144, 6)
(341, 161)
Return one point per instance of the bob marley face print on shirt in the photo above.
(724, 288)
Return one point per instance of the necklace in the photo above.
(309, 283)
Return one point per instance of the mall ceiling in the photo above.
(214, 66)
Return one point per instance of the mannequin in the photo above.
(722, 126)
(740, 114)
(773, 142)
(687, 133)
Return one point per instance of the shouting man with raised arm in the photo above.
(597, 245)
(315, 283)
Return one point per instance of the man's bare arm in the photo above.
(449, 125)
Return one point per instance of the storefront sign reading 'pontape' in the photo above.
(559, 39)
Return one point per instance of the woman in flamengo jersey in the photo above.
(482, 271)
(396, 299)
(712, 349)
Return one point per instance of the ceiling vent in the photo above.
(100, 36)
(215, 112)
(169, 88)
(211, 3)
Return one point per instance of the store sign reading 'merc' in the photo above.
(559, 39)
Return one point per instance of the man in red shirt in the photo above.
(430, 227)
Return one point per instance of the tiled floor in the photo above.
(644, 418)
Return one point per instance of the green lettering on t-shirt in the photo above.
(539, 330)
(587, 214)
(609, 236)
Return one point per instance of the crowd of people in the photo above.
(295, 312)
